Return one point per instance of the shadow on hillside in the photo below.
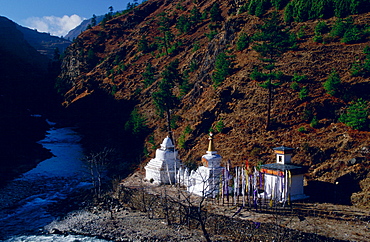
(339, 192)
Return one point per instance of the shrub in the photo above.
(356, 69)
(303, 93)
(314, 122)
(352, 35)
(196, 46)
(215, 13)
(279, 4)
(318, 39)
(302, 129)
(294, 86)
(356, 115)
(288, 13)
(333, 84)
(243, 42)
(299, 78)
(341, 26)
(195, 15)
(321, 28)
(211, 34)
(257, 75)
(183, 24)
(301, 33)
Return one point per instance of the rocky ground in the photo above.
(125, 222)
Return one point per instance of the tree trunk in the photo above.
(269, 107)
(168, 111)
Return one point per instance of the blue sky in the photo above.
(56, 17)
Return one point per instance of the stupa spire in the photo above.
(211, 146)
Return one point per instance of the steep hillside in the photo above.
(106, 75)
(25, 89)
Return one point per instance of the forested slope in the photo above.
(260, 74)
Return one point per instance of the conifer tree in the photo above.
(333, 84)
(164, 28)
(223, 67)
(149, 75)
(270, 42)
(164, 98)
(215, 13)
(356, 115)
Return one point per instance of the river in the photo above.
(26, 201)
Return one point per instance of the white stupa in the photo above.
(162, 169)
(205, 181)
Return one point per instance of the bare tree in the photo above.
(98, 166)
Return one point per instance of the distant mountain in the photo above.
(82, 27)
(16, 52)
(43, 42)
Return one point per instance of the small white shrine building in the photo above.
(163, 168)
(205, 181)
(283, 181)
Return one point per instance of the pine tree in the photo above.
(271, 41)
(183, 24)
(93, 20)
(149, 75)
(356, 115)
(215, 13)
(195, 15)
(333, 84)
(164, 28)
(223, 67)
(243, 42)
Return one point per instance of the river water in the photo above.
(47, 184)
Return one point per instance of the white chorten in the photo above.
(205, 180)
(283, 180)
(162, 169)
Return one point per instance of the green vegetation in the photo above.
(183, 136)
(219, 127)
(149, 75)
(295, 86)
(299, 78)
(302, 129)
(362, 68)
(303, 93)
(303, 10)
(136, 124)
(314, 122)
(270, 42)
(243, 42)
(164, 28)
(223, 68)
(215, 13)
(333, 83)
(258, 7)
(273, 39)
(195, 15)
(183, 24)
(356, 115)
(164, 98)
